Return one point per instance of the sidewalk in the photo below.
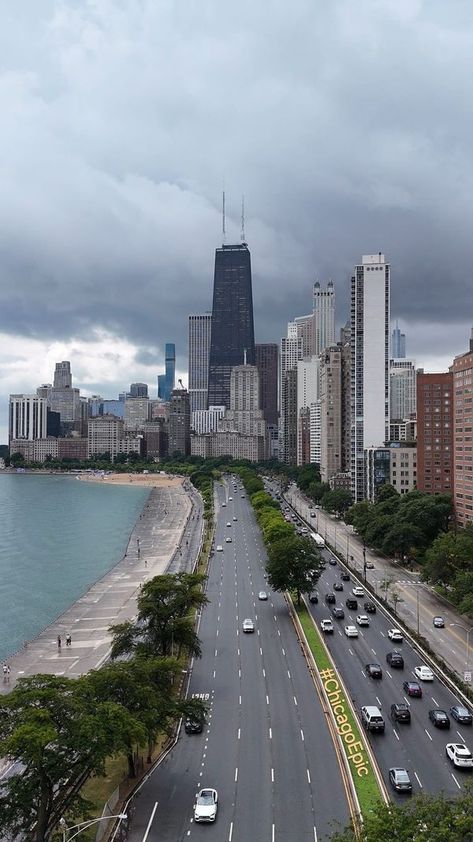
(170, 517)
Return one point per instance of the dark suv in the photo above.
(344, 576)
(338, 612)
(400, 713)
(395, 660)
(330, 598)
(351, 603)
(370, 607)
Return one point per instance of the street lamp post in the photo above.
(348, 546)
(364, 559)
(467, 632)
(84, 825)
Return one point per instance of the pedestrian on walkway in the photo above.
(5, 672)
(59, 641)
(68, 639)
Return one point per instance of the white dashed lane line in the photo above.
(418, 780)
(430, 738)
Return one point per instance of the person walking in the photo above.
(5, 672)
(68, 640)
(59, 641)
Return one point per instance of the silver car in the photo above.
(205, 807)
(248, 626)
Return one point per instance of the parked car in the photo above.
(369, 607)
(439, 718)
(369, 565)
(400, 712)
(461, 714)
(373, 671)
(412, 688)
(193, 726)
(424, 673)
(332, 561)
(400, 780)
(395, 660)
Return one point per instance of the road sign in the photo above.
(467, 677)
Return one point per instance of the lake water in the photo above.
(57, 536)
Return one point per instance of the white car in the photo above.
(228, 523)
(326, 626)
(363, 620)
(351, 631)
(369, 565)
(219, 548)
(424, 673)
(230, 498)
(205, 807)
(228, 540)
(396, 635)
(460, 755)
(262, 595)
(248, 626)
(358, 591)
(234, 517)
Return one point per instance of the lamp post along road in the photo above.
(84, 825)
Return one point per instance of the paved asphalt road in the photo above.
(266, 749)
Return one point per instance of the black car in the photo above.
(461, 714)
(370, 607)
(395, 660)
(412, 688)
(337, 586)
(344, 576)
(373, 671)
(338, 612)
(439, 718)
(313, 598)
(193, 726)
(400, 712)
(351, 603)
(330, 598)
(332, 561)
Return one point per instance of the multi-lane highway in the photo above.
(266, 747)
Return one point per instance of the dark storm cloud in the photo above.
(347, 125)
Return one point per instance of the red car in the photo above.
(412, 688)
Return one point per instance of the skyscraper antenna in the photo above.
(243, 239)
(224, 230)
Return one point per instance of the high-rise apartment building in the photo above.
(307, 396)
(180, 423)
(267, 365)
(435, 422)
(331, 412)
(345, 346)
(402, 376)
(462, 372)
(289, 416)
(324, 317)
(199, 351)
(398, 344)
(232, 332)
(138, 390)
(137, 413)
(370, 318)
(166, 381)
(28, 417)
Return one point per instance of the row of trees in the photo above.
(61, 730)
(449, 564)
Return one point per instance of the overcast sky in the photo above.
(347, 125)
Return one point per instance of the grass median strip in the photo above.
(361, 769)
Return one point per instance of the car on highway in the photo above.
(230, 498)
(423, 673)
(369, 607)
(242, 496)
(344, 576)
(330, 598)
(248, 626)
(357, 591)
(326, 626)
(219, 548)
(205, 807)
(460, 755)
(351, 603)
(234, 518)
(332, 561)
(439, 718)
(369, 565)
(395, 660)
(412, 688)
(314, 598)
(461, 714)
(362, 620)
(373, 671)
(400, 712)
(337, 586)
(263, 596)
(400, 780)
(313, 514)
(396, 635)
(439, 622)
(338, 612)
(193, 726)
(229, 523)
(228, 540)
(351, 631)
(224, 505)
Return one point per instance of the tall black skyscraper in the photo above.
(232, 320)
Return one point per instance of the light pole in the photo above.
(364, 559)
(84, 825)
(348, 546)
(467, 632)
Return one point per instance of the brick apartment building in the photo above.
(435, 432)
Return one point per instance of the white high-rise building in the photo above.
(28, 417)
(199, 350)
(403, 390)
(307, 396)
(324, 317)
(291, 352)
(370, 335)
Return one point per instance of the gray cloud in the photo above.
(346, 125)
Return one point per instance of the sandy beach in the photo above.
(143, 480)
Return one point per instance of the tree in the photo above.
(448, 556)
(401, 539)
(339, 500)
(427, 818)
(276, 530)
(57, 737)
(294, 564)
(165, 620)
(385, 492)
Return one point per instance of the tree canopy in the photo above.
(294, 564)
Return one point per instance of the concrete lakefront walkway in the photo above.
(166, 535)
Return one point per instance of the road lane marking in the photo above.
(272, 833)
(272, 775)
(382, 633)
(315, 834)
(236, 774)
(418, 780)
(231, 832)
(295, 700)
(216, 652)
(264, 673)
(279, 633)
(374, 653)
(239, 673)
(270, 734)
(267, 699)
(435, 702)
(302, 735)
(260, 651)
(239, 700)
(462, 738)
(214, 673)
(395, 734)
(288, 674)
(150, 822)
(430, 738)
(388, 673)
(454, 778)
(308, 777)
(378, 700)
(239, 733)
(284, 651)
